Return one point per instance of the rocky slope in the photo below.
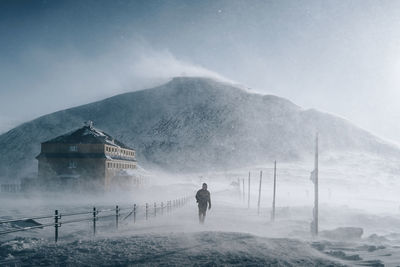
(192, 124)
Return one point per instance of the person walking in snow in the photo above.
(203, 198)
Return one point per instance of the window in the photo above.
(73, 148)
(72, 164)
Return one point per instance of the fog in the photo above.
(336, 62)
(368, 200)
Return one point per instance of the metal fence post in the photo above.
(155, 209)
(94, 221)
(134, 213)
(56, 226)
(147, 210)
(116, 216)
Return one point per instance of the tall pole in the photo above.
(240, 192)
(259, 194)
(248, 197)
(314, 178)
(274, 195)
(244, 197)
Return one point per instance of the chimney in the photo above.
(89, 124)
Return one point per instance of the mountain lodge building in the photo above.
(86, 159)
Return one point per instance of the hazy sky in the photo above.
(337, 56)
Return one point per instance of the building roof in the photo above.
(87, 135)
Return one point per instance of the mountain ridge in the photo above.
(194, 124)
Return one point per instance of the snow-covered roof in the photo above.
(87, 135)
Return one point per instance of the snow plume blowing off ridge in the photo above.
(66, 78)
(163, 65)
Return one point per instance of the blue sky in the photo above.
(337, 56)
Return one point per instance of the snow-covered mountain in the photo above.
(193, 124)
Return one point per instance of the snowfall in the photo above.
(359, 220)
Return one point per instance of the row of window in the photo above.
(117, 165)
(74, 148)
(123, 151)
(72, 165)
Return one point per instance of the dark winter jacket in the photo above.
(203, 197)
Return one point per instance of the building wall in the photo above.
(120, 152)
(67, 148)
(114, 170)
(89, 172)
(94, 171)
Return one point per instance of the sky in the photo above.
(341, 57)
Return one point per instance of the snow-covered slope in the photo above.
(193, 124)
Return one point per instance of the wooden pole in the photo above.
(259, 194)
(274, 195)
(316, 187)
(248, 193)
(244, 193)
(314, 179)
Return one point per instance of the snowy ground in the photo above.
(175, 240)
(233, 234)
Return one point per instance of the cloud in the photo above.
(150, 64)
(60, 78)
